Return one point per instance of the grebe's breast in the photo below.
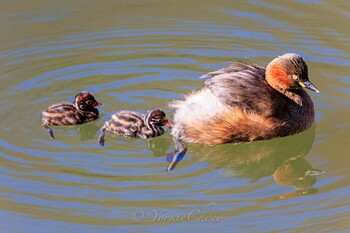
(90, 115)
(297, 113)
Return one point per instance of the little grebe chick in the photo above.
(246, 102)
(135, 125)
(82, 110)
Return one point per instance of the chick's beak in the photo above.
(97, 103)
(167, 123)
(308, 85)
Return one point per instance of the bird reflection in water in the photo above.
(87, 131)
(282, 158)
(299, 174)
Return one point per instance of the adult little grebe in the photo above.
(246, 102)
(135, 125)
(82, 110)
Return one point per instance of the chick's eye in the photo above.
(295, 77)
(157, 119)
(88, 102)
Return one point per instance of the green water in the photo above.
(137, 55)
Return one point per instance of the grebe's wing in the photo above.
(243, 85)
(236, 67)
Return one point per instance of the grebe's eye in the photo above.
(89, 102)
(295, 77)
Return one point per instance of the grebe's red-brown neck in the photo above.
(288, 72)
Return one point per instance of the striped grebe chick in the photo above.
(246, 102)
(135, 125)
(82, 110)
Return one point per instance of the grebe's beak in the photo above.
(97, 104)
(314, 172)
(308, 85)
(167, 123)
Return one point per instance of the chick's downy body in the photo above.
(82, 110)
(135, 125)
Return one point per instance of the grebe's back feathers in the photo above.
(235, 67)
(240, 85)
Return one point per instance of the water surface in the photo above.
(141, 54)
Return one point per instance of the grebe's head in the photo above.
(85, 101)
(288, 72)
(156, 117)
